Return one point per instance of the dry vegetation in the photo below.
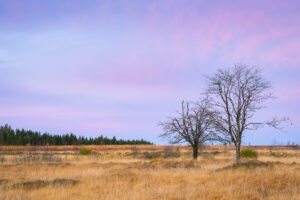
(147, 172)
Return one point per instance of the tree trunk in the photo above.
(195, 152)
(237, 152)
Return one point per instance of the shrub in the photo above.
(249, 153)
(152, 155)
(85, 151)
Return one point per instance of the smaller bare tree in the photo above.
(192, 125)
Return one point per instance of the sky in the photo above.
(119, 67)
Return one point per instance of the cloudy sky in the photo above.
(117, 68)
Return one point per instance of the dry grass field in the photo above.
(147, 172)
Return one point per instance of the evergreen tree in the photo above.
(8, 136)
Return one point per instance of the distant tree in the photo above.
(237, 94)
(8, 136)
(114, 140)
(192, 125)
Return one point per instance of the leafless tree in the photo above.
(192, 125)
(237, 94)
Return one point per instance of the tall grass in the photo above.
(115, 175)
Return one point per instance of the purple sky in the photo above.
(117, 68)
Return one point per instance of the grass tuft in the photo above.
(85, 151)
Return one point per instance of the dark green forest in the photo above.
(9, 136)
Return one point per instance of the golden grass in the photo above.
(133, 173)
(130, 147)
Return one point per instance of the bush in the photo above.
(249, 153)
(85, 151)
(152, 155)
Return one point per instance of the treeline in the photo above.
(8, 136)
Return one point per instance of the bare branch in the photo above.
(237, 94)
(194, 124)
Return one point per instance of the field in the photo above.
(147, 172)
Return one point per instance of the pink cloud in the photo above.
(92, 65)
(288, 93)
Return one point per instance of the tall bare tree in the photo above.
(237, 94)
(193, 125)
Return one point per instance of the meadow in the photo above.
(147, 172)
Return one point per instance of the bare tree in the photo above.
(192, 125)
(237, 94)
